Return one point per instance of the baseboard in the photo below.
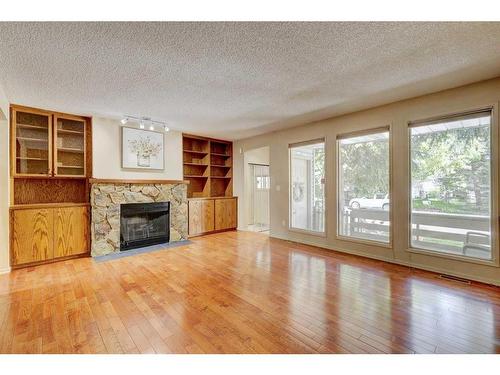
(4, 270)
(393, 261)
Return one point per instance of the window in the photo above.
(451, 185)
(363, 186)
(307, 186)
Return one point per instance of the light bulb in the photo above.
(166, 128)
(151, 127)
(124, 121)
(141, 124)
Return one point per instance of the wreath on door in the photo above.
(298, 191)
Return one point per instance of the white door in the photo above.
(260, 197)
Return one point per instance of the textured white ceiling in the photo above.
(235, 80)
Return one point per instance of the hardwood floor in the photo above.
(242, 292)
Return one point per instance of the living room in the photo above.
(249, 187)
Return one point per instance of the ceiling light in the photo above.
(166, 128)
(124, 121)
(151, 127)
(141, 124)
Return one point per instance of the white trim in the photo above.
(308, 232)
(393, 260)
(4, 270)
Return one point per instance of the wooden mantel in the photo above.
(118, 181)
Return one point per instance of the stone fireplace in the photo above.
(109, 197)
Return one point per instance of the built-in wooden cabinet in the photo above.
(209, 215)
(51, 162)
(69, 146)
(32, 239)
(31, 142)
(71, 231)
(201, 216)
(225, 214)
(43, 233)
(208, 166)
(49, 144)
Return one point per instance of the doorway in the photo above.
(257, 190)
(259, 205)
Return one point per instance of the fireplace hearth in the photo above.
(144, 224)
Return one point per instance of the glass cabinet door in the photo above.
(32, 146)
(69, 144)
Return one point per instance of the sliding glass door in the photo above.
(451, 185)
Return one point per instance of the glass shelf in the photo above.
(32, 148)
(70, 147)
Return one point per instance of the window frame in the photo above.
(494, 186)
(290, 194)
(379, 129)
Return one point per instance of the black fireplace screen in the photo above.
(143, 224)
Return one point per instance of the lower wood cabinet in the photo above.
(32, 237)
(41, 234)
(71, 231)
(225, 214)
(201, 216)
(207, 215)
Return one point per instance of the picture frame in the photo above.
(142, 149)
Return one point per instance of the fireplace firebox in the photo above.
(144, 224)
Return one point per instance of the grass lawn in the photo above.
(451, 207)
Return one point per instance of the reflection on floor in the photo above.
(243, 292)
(258, 228)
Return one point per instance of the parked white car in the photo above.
(378, 201)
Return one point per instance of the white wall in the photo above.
(397, 115)
(106, 146)
(255, 156)
(4, 183)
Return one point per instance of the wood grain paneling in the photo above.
(201, 216)
(54, 190)
(243, 292)
(225, 214)
(71, 228)
(32, 239)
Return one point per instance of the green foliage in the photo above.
(457, 161)
(365, 168)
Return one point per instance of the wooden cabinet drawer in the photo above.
(70, 231)
(32, 239)
(201, 216)
(225, 214)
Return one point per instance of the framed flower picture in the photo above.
(142, 149)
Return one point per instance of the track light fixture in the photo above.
(142, 121)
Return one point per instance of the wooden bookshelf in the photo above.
(208, 165)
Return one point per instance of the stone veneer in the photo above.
(105, 199)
